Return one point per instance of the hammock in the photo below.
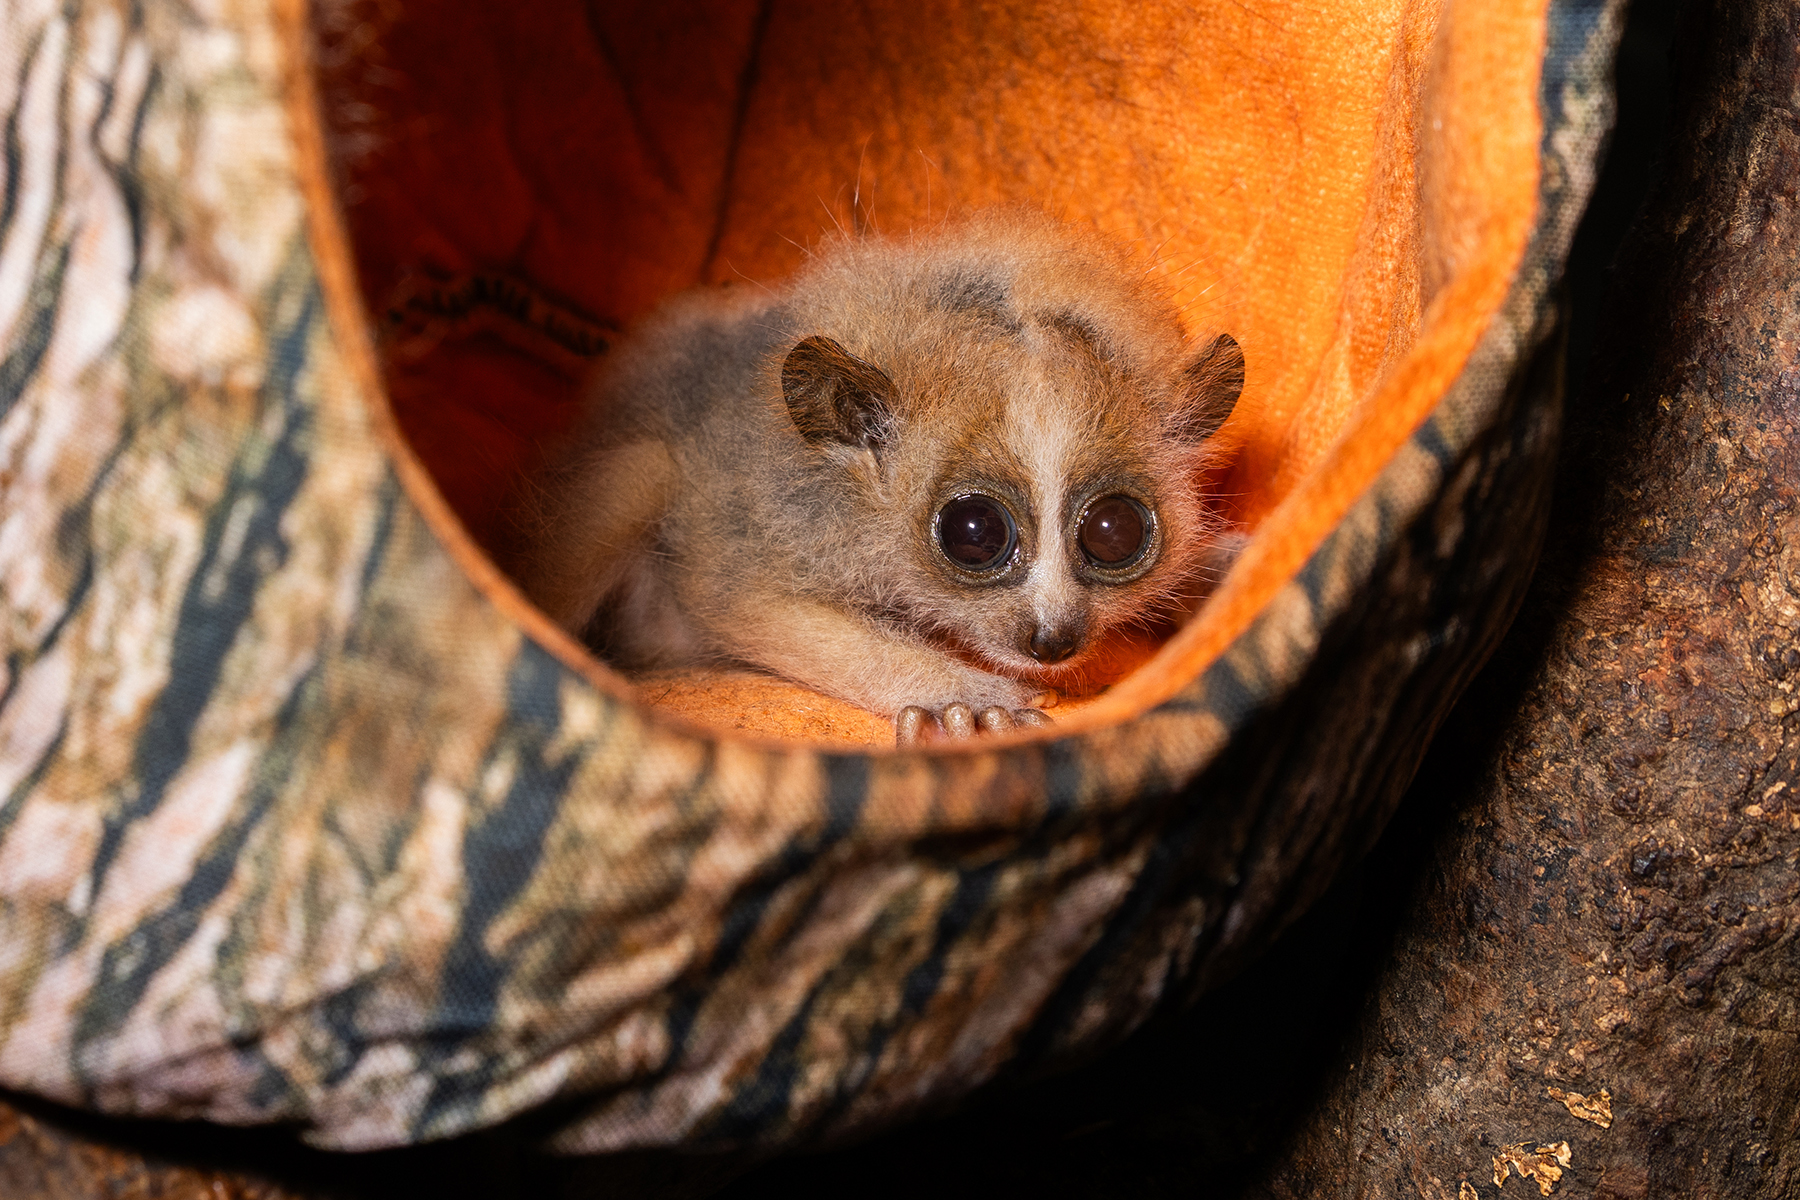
(306, 816)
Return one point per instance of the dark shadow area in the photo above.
(1188, 1107)
(1633, 162)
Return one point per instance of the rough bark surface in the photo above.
(41, 1161)
(1597, 991)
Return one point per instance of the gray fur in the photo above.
(702, 515)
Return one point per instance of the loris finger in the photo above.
(914, 726)
(995, 720)
(959, 721)
(1032, 718)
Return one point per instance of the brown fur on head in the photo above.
(1018, 362)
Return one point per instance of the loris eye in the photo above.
(1114, 532)
(976, 532)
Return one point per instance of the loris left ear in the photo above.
(1208, 391)
(834, 396)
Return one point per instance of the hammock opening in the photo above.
(1346, 192)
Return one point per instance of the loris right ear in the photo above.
(834, 396)
(1209, 390)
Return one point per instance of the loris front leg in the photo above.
(847, 655)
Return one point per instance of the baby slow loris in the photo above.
(928, 476)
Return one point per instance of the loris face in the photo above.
(1052, 540)
(1029, 485)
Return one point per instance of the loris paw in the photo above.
(914, 725)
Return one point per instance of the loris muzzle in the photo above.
(929, 476)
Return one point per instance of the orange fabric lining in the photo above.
(1478, 158)
(1345, 190)
(350, 325)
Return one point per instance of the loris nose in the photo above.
(1053, 643)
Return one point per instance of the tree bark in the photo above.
(1598, 985)
(43, 1161)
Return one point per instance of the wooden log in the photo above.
(1597, 990)
(41, 1160)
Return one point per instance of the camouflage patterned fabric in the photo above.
(297, 825)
